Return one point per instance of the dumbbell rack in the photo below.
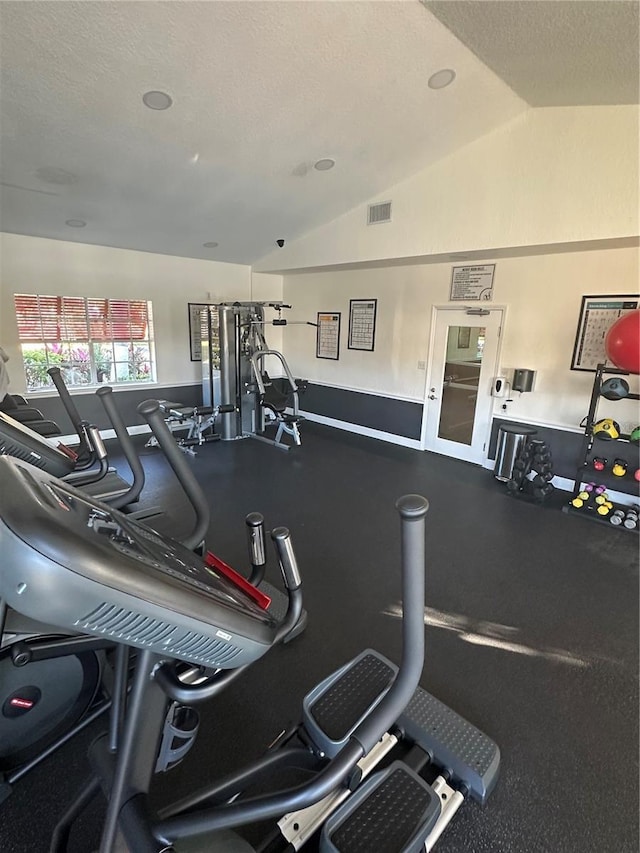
(533, 472)
(586, 450)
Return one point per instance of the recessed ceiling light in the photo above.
(442, 78)
(53, 175)
(75, 223)
(325, 164)
(157, 100)
(211, 245)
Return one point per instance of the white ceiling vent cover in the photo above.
(379, 213)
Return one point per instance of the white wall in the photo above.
(37, 265)
(554, 175)
(542, 295)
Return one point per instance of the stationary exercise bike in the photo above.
(387, 765)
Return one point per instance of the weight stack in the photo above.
(532, 472)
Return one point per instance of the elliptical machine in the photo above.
(88, 466)
(115, 578)
(53, 685)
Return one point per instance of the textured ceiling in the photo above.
(553, 52)
(261, 90)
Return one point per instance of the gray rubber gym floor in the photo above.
(532, 634)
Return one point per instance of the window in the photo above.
(92, 340)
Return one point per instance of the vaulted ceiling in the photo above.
(260, 92)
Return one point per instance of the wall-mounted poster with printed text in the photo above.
(472, 283)
(328, 335)
(597, 315)
(362, 324)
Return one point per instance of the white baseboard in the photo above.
(390, 437)
(70, 440)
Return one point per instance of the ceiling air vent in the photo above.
(379, 213)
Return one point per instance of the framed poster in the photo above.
(597, 315)
(195, 329)
(464, 337)
(472, 284)
(328, 335)
(362, 324)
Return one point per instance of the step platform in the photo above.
(394, 810)
(334, 709)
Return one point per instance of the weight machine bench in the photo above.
(199, 421)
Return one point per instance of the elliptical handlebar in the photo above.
(85, 457)
(98, 454)
(257, 552)
(286, 557)
(166, 675)
(412, 510)
(151, 412)
(113, 413)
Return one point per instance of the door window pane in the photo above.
(465, 345)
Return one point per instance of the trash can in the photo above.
(511, 440)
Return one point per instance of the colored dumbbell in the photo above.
(580, 500)
(602, 499)
(599, 463)
(600, 490)
(589, 487)
(605, 509)
(637, 474)
(619, 468)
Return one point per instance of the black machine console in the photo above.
(72, 561)
(18, 440)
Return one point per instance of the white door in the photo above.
(463, 362)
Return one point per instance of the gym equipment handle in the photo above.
(150, 411)
(255, 538)
(286, 557)
(256, 543)
(98, 452)
(113, 413)
(412, 510)
(179, 691)
(74, 415)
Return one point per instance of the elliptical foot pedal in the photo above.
(470, 756)
(336, 706)
(392, 812)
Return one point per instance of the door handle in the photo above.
(432, 397)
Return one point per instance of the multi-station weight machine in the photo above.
(235, 380)
(240, 399)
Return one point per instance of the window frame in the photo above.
(94, 329)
